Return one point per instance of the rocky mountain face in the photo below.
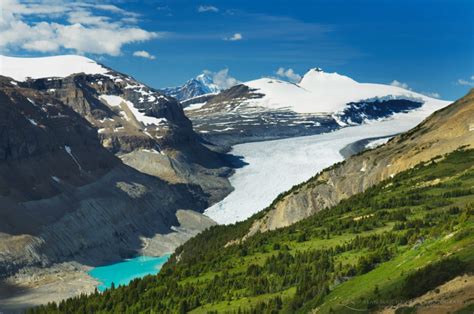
(195, 87)
(95, 167)
(269, 108)
(146, 129)
(444, 131)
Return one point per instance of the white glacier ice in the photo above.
(275, 166)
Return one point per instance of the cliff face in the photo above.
(98, 167)
(134, 120)
(42, 140)
(442, 132)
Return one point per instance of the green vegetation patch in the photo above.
(397, 240)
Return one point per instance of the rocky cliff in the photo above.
(442, 132)
(95, 167)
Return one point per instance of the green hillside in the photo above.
(396, 241)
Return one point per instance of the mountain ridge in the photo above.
(269, 108)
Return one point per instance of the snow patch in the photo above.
(57, 66)
(32, 121)
(115, 101)
(32, 102)
(112, 100)
(377, 142)
(195, 106)
(69, 151)
(56, 179)
(154, 151)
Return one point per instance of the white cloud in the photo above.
(235, 37)
(289, 74)
(431, 94)
(52, 26)
(405, 86)
(207, 8)
(400, 84)
(468, 82)
(144, 54)
(222, 78)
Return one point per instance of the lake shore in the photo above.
(35, 286)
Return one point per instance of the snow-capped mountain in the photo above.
(271, 108)
(20, 69)
(202, 84)
(93, 163)
(130, 118)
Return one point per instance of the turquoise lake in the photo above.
(124, 272)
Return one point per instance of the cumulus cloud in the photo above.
(222, 78)
(468, 82)
(235, 37)
(207, 8)
(400, 84)
(405, 86)
(144, 54)
(52, 26)
(288, 74)
(432, 94)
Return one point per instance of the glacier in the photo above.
(275, 166)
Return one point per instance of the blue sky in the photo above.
(425, 45)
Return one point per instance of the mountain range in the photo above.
(270, 108)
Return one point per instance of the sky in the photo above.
(423, 45)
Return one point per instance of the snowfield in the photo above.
(275, 166)
(58, 66)
(321, 92)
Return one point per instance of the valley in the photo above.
(236, 157)
(363, 254)
(177, 182)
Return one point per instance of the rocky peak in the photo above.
(200, 85)
(316, 76)
(142, 118)
(36, 126)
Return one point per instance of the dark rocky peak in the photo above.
(35, 127)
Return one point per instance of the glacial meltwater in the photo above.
(123, 272)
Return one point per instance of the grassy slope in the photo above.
(416, 218)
